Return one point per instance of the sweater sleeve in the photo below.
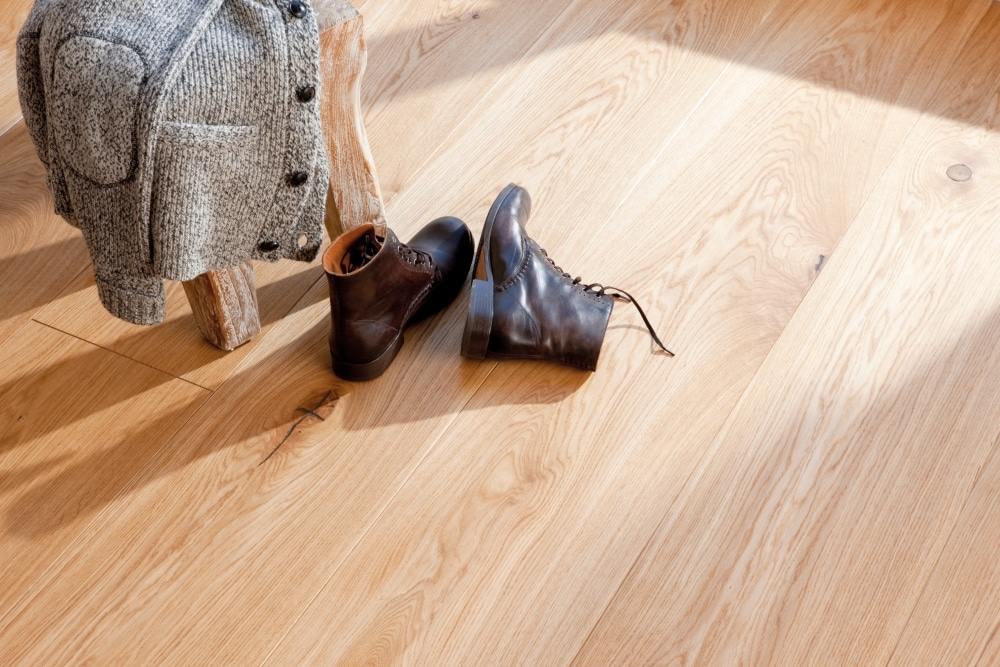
(31, 94)
(136, 299)
(29, 79)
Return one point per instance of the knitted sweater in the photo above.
(180, 136)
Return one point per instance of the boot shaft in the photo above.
(522, 306)
(370, 304)
(539, 314)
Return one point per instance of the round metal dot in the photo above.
(269, 246)
(959, 172)
(297, 178)
(297, 9)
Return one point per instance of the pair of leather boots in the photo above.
(522, 305)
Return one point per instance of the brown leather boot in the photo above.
(523, 306)
(378, 286)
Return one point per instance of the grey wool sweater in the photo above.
(180, 136)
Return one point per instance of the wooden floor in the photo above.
(813, 480)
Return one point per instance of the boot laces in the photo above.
(612, 292)
(365, 249)
(415, 257)
(362, 252)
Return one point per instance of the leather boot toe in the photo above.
(451, 246)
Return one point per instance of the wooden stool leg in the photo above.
(354, 197)
(224, 304)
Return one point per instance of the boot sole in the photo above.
(479, 324)
(369, 370)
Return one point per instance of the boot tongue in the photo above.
(362, 251)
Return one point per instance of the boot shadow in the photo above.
(430, 378)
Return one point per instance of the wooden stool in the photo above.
(224, 302)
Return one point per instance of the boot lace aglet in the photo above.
(622, 295)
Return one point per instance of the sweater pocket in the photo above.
(96, 86)
(204, 195)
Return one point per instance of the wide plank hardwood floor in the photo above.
(813, 480)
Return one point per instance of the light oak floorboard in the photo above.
(533, 536)
(584, 113)
(246, 511)
(76, 423)
(956, 620)
(461, 513)
(810, 529)
(430, 62)
(12, 15)
(40, 255)
(177, 346)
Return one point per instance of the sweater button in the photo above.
(296, 9)
(269, 246)
(305, 94)
(297, 178)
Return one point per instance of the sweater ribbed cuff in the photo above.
(135, 307)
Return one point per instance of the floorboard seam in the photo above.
(123, 356)
(10, 127)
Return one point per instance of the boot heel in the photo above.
(369, 370)
(480, 321)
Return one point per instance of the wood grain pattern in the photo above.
(40, 254)
(891, 416)
(355, 197)
(419, 602)
(955, 620)
(330, 13)
(257, 506)
(12, 16)
(811, 527)
(431, 63)
(804, 484)
(76, 423)
(584, 482)
(177, 346)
